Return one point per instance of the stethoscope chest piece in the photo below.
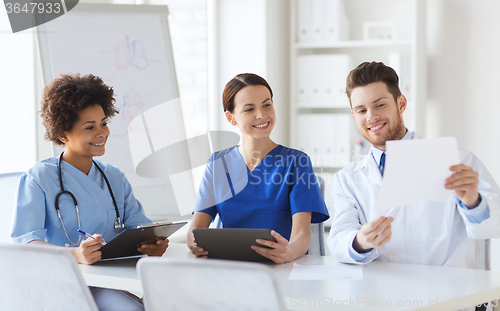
(119, 225)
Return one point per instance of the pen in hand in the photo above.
(88, 236)
(390, 212)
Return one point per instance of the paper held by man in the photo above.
(416, 170)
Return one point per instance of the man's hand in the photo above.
(464, 183)
(373, 234)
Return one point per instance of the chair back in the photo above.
(8, 187)
(317, 244)
(41, 278)
(209, 284)
(487, 254)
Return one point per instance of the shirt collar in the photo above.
(377, 153)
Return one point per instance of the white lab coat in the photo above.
(422, 233)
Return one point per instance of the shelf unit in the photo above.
(407, 47)
(354, 44)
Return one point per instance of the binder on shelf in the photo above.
(310, 137)
(321, 21)
(303, 21)
(326, 138)
(405, 77)
(342, 139)
(384, 30)
(303, 133)
(333, 70)
(317, 77)
(304, 79)
(342, 66)
(394, 61)
(321, 80)
(336, 23)
(401, 63)
(329, 140)
(316, 139)
(317, 20)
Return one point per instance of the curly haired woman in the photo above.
(75, 111)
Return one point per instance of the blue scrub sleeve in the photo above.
(205, 200)
(29, 215)
(305, 195)
(134, 212)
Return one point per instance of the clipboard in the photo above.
(232, 243)
(125, 244)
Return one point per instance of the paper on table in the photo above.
(415, 170)
(332, 272)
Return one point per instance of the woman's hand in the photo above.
(279, 250)
(198, 251)
(89, 250)
(200, 220)
(285, 251)
(156, 249)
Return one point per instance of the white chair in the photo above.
(41, 278)
(197, 284)
(487, 252)
(317, 244)
(8, 187)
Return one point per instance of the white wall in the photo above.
(463, 79)
(252, 36)
(278, 64)
(464, 46)
(17, 120)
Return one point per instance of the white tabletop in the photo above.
(388, 285)
(384, 285)
(121, 273)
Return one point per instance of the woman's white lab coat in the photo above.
(422, 233)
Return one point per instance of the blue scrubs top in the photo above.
(282, 184)
(35, 216)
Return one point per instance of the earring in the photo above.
(233, 122)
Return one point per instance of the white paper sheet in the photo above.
(416, 170)
(332, 272)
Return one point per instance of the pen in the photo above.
(390, 212)
(88, 236)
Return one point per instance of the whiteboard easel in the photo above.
(129, 47)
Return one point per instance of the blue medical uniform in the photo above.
(282, 184)
(35, 216)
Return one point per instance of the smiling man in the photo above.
(449, 234)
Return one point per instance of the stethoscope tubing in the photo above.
(119, 225)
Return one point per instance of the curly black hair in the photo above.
(66, 96)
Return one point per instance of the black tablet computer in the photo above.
(234, 244)
(125, 244)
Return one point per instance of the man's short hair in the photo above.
(367, 73)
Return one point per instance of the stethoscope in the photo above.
(119, 225)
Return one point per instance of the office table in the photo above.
(384, 285)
